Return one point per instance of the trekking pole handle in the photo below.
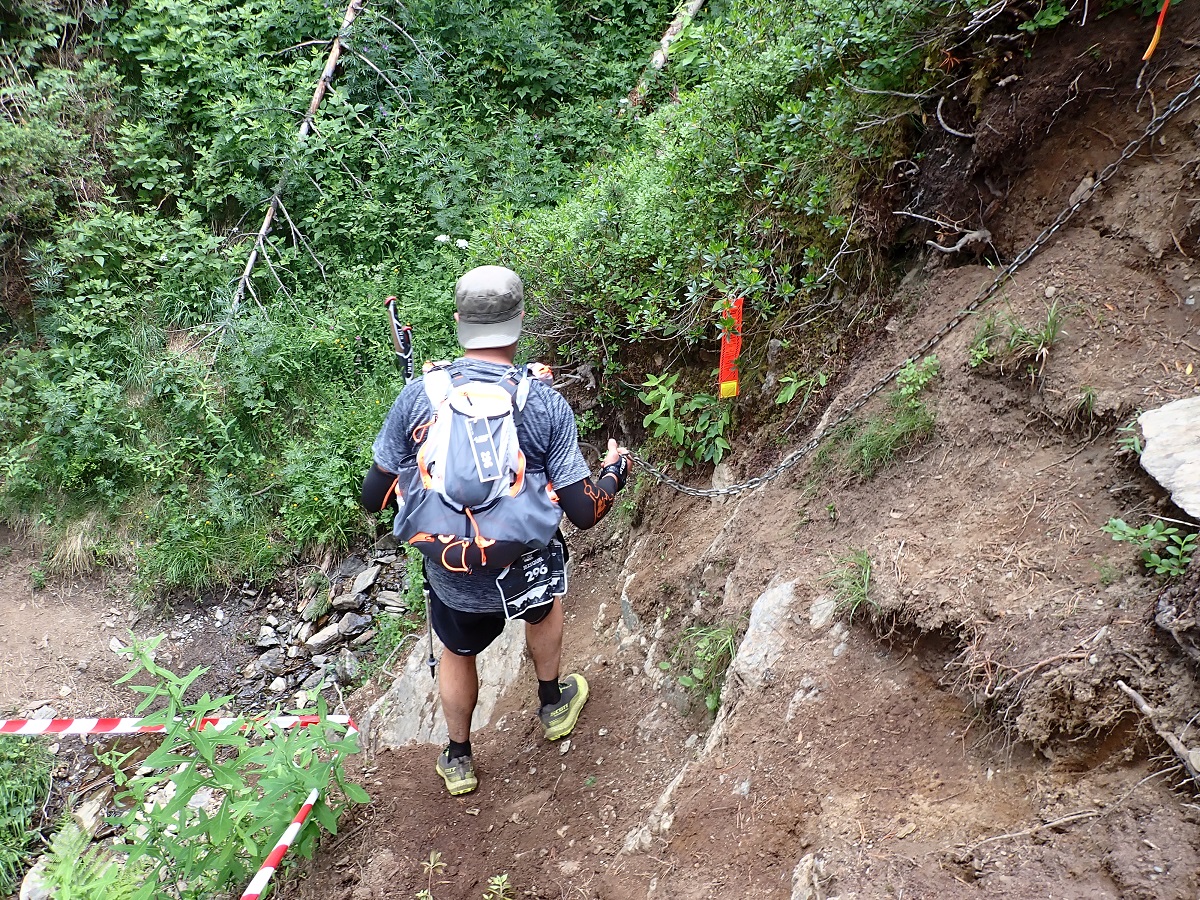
(402, 341)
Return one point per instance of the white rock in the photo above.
(278, 686)
(1172, 450)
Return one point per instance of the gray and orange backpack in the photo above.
(469, 486)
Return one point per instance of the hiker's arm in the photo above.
(588, 500)
(378, 489)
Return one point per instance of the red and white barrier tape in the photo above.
(260, 881)
(135, 726)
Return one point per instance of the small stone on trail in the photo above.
(365, 580)
(272, 662)
(564, 747)
(350, 601)
(267, 638)
(278, 686)
(64, 691)
(363, 639)
(323, 639)
(352, 624)
(115, 646)
(1051, 291)
(313, 681)
(347, 666)
(350, 567)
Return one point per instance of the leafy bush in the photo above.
(695, 425)
(217, 799)
(704, 654)
(1165, 549)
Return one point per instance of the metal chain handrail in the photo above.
(1156, 125)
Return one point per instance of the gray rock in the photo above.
(278, 686)
(272, 662)
(34, 886)
(346, 602)
(767, 634)
(352, 624)
(363, 639)
(365, 580)
(305, 632)
(325, 638)
(350, 567)
(272, 621)
(385, 559)
(347, 666)
(267, 638)
(319, 660)
(391, 600)
(1172, 450)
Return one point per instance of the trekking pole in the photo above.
(402, 342)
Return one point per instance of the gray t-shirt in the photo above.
(548, 439)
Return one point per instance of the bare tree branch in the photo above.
(306, 126)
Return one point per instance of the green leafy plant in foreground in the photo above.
(696, 425)
(851, 584)
(704, 654)
(24, 783)
(77, 869)
(218, 799)
(1165, 549)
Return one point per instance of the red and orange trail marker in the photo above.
(1162, 17)
(731, 348)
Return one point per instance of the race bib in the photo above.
(534, 580)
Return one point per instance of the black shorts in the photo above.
(467, 633)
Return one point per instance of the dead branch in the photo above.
(331, 62)
(1026, 832)
(949, 130)
(938, 222)
(300, 46)
(299, 235)
(1171, 740)
(416, 47)
(267, 259)
(378, 71)
(658, 60)
(979, 236)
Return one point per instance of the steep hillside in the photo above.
(963, 735)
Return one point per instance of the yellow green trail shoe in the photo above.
(459, 774)
(558, 719)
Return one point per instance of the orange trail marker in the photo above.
(1162, 16)
(731, 348)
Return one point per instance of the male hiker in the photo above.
(501, 429)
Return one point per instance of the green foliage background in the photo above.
(142, 139)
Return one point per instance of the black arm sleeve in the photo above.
(588, 501)
(378, 489)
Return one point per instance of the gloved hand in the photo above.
(616, 463)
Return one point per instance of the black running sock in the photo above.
(549, 692)
(457, 749)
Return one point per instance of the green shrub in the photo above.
(704, 655)
(1165, 549)
(232, 791)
